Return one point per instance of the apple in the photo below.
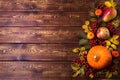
(109, 14)
(103, 33)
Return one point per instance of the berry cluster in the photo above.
(96, 41)
(88, 70)
(95, 26)
(112, 29)
(82, 60)
(111, 68)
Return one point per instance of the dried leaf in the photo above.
(76, 73)
(115, 73)
(75, 67)
(82, 72)
(108, 74)
(91, 76)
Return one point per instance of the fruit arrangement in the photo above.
(98, 53)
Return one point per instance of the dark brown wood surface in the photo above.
(37, 38)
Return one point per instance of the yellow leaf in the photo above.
(113, 46)
(87, 22)
(84, 26)
(87, 30)
(111, 49)
(115, 36)
(111, 39)
(76, 50)
(108, 3)
(116, 42)
(113, 3)
(108, 42)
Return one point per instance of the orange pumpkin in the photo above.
(99, 57)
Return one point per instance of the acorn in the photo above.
(103, 33)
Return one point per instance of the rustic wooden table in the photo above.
(37, 36)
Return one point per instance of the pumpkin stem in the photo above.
(96, 58)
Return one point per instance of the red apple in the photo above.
(103, 33)
(109, 14)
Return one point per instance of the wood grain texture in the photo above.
(35, 70)
(37, 38)
(43, 5)
(47, 18)
(39, 35)
(37, 52)
(38, 71)
(48, 5)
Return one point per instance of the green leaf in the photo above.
(82, 48)
(99, 19)
(83, 41)
(82, 72)
(87, 46)
(108, 74)
(83, 34)
(103, 24)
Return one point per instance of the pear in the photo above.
(109, 14)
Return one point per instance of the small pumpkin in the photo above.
(99, 57)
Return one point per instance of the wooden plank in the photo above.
(35, 70)
(39, 35)
(42, 18)
(37, 52)
(49, 5)
(42, 5)
(38, 71)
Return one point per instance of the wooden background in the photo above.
(37, 36)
